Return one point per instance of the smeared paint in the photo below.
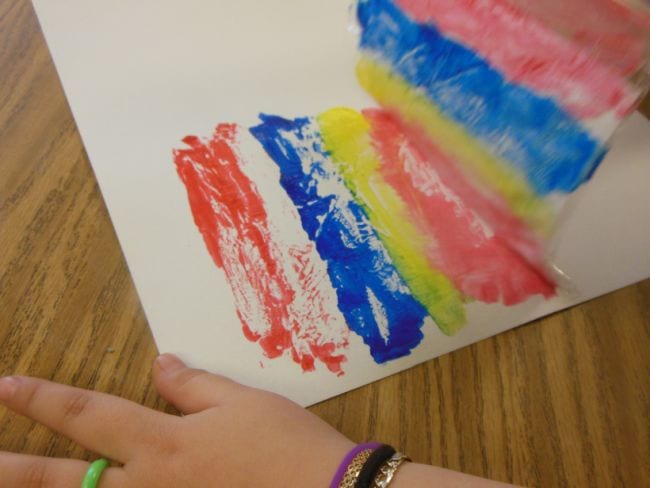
(357, 261)
(529, 52)
(346, 137)
(534, 134)
(394, 93)
(482, 262)
(277, 289)
(382, 219)
(615, 32)
(488, 206)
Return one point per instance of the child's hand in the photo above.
(232, 436)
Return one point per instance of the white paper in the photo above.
(140, 75)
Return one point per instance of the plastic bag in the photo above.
(519, 98)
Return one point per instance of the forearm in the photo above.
(413, 475)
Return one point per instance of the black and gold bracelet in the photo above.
(387, 470)
(372, 465)
(369, 465)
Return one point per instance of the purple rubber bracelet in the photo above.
(338, 476)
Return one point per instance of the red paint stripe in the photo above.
(446, 207)
(231, 216)
(530, 53)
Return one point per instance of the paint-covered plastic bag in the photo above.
(494, 112)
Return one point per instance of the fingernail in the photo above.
(169, 363)
(8, 387)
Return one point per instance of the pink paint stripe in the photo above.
(529, 53)
(231, 216)
(474, 238)
(616, 33)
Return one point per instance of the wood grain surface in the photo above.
(560, 402)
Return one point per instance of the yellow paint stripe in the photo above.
(346, 134)
(393, 92)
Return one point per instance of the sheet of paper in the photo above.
(139, 76)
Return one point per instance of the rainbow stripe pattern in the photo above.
(372, 221)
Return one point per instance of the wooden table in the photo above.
(561, 402)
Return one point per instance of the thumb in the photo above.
(190, 390)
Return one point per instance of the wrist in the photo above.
(311, 469)
(414, 475)
(409, 475)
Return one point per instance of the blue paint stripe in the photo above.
(356, 259)
(534, 133)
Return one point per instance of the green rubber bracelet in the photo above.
(93, 474)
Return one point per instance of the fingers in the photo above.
(19, 471)
(190, 390)
(106, 424)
